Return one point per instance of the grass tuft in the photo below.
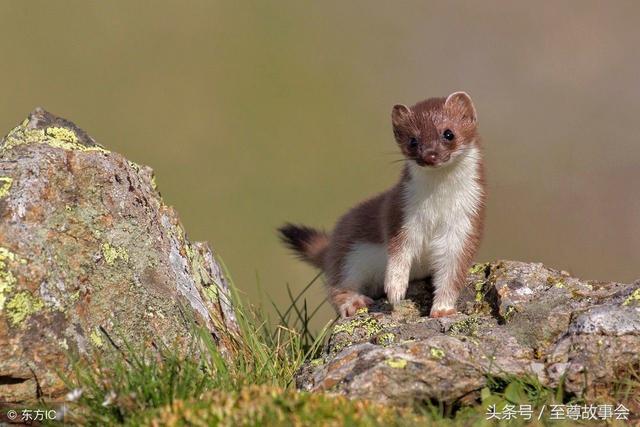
(131, 383)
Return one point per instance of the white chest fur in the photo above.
(439, 207)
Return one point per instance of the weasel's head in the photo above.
(433, 133)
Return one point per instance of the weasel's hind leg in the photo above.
(348, 302)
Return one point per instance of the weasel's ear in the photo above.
(461, 103)
(400, 114)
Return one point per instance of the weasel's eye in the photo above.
(448, 135)
(413, 143)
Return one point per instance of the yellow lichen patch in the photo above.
(96, 338)
(134, 165)
(58, 137)
(368, 325)
(7, 255)
(63, 134)
(436, 353)
(74, 296)
(316, 362)
(509, 312)
(7, 279)
(555, 281)
(396, 363)
(479, 294)
(21, 306)
(478, 268)
(362, 310)
(113, 253)
(21, 135)
(5, 185)
(386, 339)
(634, 297)
(468, 327)
(212, 292)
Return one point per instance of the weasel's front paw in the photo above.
(444, 303)
(442, 312)
(354, 303)
(395, 294)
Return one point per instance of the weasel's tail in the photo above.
(309, 244)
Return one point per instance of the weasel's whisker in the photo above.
(409, 159)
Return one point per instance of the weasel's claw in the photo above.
(353, 304)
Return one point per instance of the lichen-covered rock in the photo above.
(516, 319)
(90, 254)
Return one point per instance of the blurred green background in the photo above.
(253, 113)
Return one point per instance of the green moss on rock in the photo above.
(270, 406)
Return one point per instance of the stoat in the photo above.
(428, 224)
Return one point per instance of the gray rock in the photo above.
(90, 253)
(514, 319)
